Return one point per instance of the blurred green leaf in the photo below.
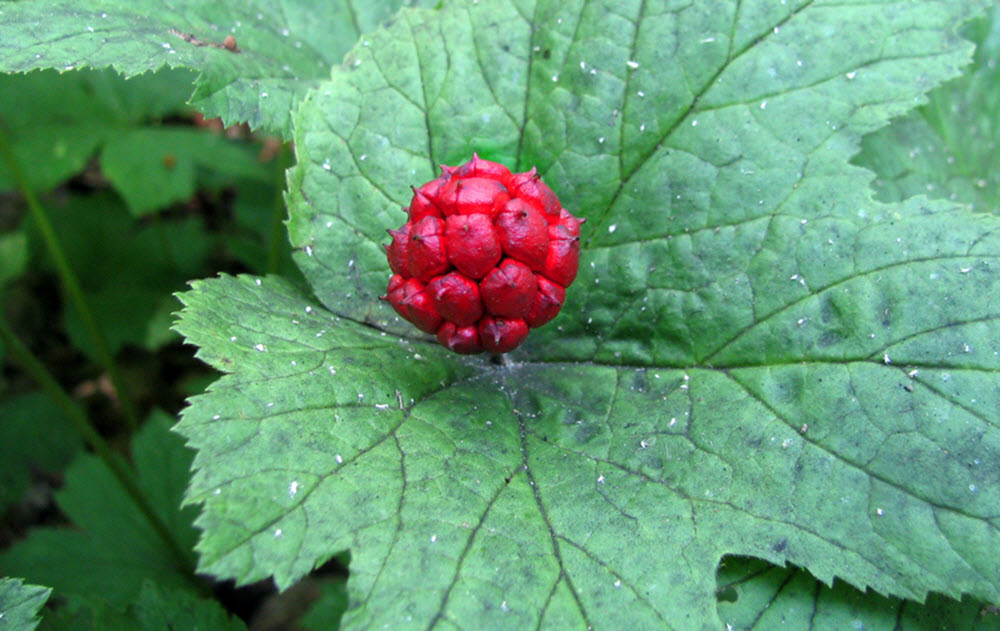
(155, 609)
(19, 604)
(327, 611)
(153, 168)
(113, 549)
(34, 436)
(13, 255)
(127, 268)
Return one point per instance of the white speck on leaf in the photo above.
(886, 359)
(850, 75)
(434, 538)
(278, 532)
(293, 488)
(632, 64)
(339, 459)
(260, 347)
(612, 227)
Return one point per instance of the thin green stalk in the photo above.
(31, 365)
(71, 285)
(277, 237)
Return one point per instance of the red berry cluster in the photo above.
(485, 256)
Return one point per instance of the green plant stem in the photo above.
(72, 286)
(31, 365)
(277, 231)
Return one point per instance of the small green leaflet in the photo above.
(19, 604)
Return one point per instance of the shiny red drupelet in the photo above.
(484, 256)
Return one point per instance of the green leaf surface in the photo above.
(758, 596)
(113, 549)
(283, 49)
(34, 436)
(757, 358)
(19, 604)
(948, 147)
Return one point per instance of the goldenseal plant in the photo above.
(485, 256)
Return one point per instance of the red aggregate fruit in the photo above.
(485, 256)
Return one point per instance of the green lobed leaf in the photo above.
(283, 48)
(113, 548)
(948, 147)
(19, 604)
(757, 358)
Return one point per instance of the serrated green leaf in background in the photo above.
(284, 47)
(948, 147)
(19, 604)
(113, 549)
(759, 596)
(757, 358)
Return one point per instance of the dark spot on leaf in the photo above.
(779, 547)
(727, 594)
(505, 48)
(829, 338)
(546, 54)
(586, 431)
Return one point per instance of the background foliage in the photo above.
(768, 354)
